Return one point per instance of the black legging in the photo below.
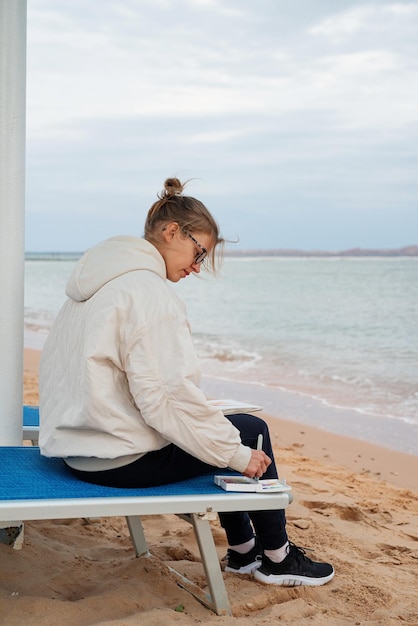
(172, 464)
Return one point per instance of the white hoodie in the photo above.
(119, 376)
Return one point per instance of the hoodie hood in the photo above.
(110, 259)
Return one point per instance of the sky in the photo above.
(296, 121)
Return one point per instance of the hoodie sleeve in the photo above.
(163, 376)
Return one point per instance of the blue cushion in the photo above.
(30, 416)
(26, 475)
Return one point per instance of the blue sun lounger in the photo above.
(33, 487)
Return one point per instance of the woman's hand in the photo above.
(258, 464)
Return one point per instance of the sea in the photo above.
(331, 342)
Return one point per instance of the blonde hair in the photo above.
(189, 213)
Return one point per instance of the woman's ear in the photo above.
(169, 231)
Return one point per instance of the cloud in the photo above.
(370, 19)
(123, 63)
(272, 107)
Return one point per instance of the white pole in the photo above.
(13, 16)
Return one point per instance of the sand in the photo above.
(355, 505)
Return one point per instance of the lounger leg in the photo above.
(211, 564)
(217, 598)
(136, 532)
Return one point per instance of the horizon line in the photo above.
(410, 250)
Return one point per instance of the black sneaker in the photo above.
(243, 563)
(295, 570)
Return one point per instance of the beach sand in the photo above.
(355, 505)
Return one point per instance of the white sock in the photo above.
(279, 555)
(243, 548)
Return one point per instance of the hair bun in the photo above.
(173, 187)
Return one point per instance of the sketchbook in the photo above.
(242, 483)
(229, 407)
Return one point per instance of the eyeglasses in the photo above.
(201, 256)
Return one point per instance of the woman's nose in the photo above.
(196, 267)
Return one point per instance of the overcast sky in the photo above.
(297, 119)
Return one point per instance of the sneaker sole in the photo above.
(292, 581)
(245, 569)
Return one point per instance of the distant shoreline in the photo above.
(406, 251)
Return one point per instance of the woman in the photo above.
(119, 384)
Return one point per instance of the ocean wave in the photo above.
(226, 351)
(397, 412)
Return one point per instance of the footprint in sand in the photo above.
(346, 512)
